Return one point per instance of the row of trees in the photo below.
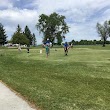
(19, 37)
(53, 27)
(88, 42)
(24, 37)
(104, 31)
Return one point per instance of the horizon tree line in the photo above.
(88, 42)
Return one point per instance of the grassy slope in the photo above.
(79, 81)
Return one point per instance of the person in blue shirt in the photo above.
(66, 47)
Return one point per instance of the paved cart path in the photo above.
(10, 101)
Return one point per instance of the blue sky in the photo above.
(81, 15)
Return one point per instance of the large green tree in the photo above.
(28, 34)
(52, 26)
(3, 36)
(103, 31)
(19, 37)
(34, 40)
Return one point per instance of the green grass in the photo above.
(79, 81)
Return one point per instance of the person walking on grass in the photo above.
(47, 49)
(66, 47)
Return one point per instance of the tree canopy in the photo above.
(33, 40)
(19, 37)
(52, 26)
(3, 36)
(28, 34)
(103, 31)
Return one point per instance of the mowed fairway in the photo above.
(79, 81)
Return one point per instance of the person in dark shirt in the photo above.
(66, 47)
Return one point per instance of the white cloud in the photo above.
(6, 4)
(82, 12)
(10, 18)
(19, 16)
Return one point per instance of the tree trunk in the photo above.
(104, 42)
